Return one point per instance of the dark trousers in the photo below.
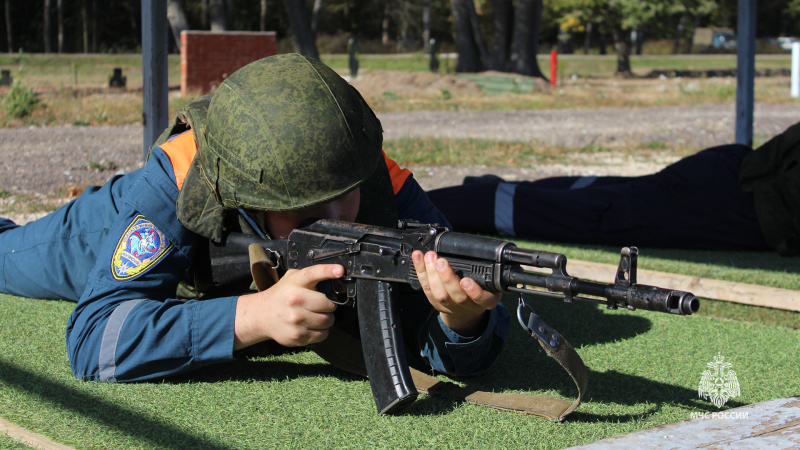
(693, 203)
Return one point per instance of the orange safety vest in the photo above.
(182, 148)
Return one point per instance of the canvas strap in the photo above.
(551, 408)
(344, 351)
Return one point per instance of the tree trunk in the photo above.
(8, 27)
(602, 38)
(468, 48)
(262, 18)
(217, 15)
(94, 26)
(477, 35)
(85, 26)
(501, 37)
(301, 30)
(230, 14)
(403, 25)
(622, 44)
(527, 23)
(315, 17)
(426, 26)
(387, 11)
(676, 48)
(690, 44)
(60, 19)
(135, 12)
(176, 15)
(47, 45)
(587, 39)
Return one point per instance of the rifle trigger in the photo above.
(537, 328)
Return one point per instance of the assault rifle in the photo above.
(376, 258)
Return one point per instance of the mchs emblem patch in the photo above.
(138, 250)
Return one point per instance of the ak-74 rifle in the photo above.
(377, 258)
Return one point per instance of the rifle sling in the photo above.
(551, 408)
(344, 351)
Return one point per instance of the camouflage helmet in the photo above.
(282, 133)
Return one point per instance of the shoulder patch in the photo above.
(141, 246)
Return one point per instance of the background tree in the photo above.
(792, 10)
(515, 36)
(60, 21)
(304, 41)
(93, 26)
(176, 15)
(46, 30)
(9, 34)
(471, 47)
(315, 16)
(84, 26)
(619, 17)
(525, 44)
(502, 27)
(686, 11)
(218, 15)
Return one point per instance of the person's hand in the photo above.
(461, 302)
(292, 312)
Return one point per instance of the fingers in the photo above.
(444, 283)
(446, 289)
(312, 275)
(307, 297)
(292, 312)
(462, 303)
(478, 295)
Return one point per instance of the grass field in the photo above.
(644, 371)
(644, 368)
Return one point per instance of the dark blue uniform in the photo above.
(693, 203)
(120, 251)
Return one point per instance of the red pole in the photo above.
(553, 67)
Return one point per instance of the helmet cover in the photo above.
(282, 133)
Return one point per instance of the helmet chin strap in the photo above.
(254, 223)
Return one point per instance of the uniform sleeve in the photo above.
(458, 356)
(126, 326)
(442, 349)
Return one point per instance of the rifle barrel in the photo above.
(633, 296)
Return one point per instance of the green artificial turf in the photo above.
(644, 370)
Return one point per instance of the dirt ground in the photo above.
(412, 84)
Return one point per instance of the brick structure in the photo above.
(207, 57)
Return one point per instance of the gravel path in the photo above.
(699, 125)
(52, 161)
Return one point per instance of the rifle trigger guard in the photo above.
(536, 327)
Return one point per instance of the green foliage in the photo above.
(20, 100)
(655, 145)
(389, 95)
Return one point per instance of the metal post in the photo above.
(745, 70)
(154, 70)
(795, 85)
